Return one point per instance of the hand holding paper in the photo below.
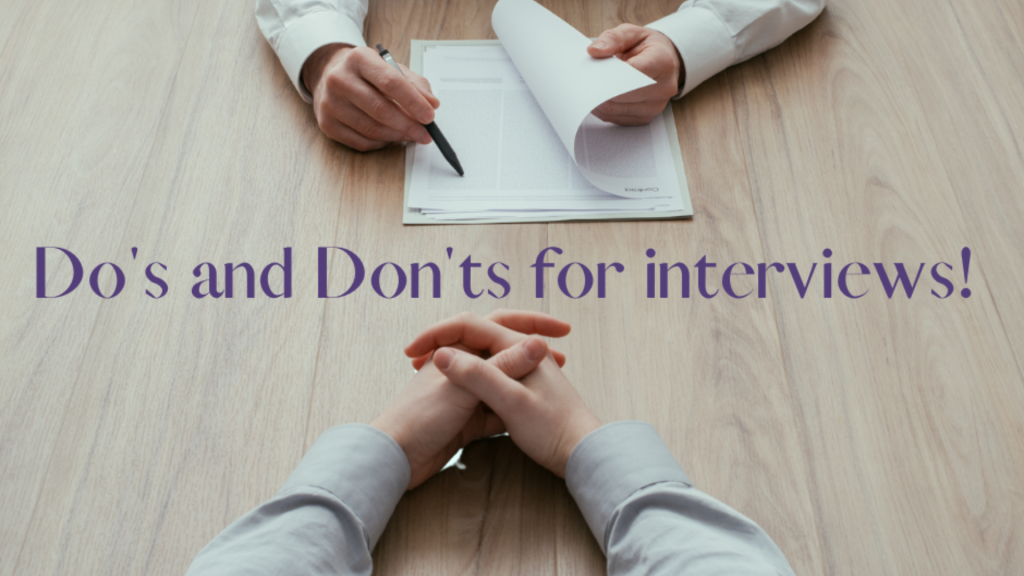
(520, 115)
(650, 52)
(569, 83)
(552, 57)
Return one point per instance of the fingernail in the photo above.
(599, 44)
(443, 358)
(427, 117)
(535, 349)
(425, 139)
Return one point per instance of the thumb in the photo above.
(521, 359)
(617, 40)
(483, 380)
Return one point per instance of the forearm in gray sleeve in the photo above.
(325, 520)
(648, 517)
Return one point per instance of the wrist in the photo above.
(313, 68)
(580, 427)
(387, 426)
(680, 65)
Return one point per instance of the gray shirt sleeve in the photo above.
(640, 505)
(327, 517)
(648, 517)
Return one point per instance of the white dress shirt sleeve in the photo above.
(325, 520)
(712, 35)
(296, 28)
(648, 517)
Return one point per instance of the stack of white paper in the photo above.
(518, 115)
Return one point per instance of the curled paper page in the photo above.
(568, 83)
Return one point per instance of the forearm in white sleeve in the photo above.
(296, 28)
(649, 519)
(712, 35)
(325, 520)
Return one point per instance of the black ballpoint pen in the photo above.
(432, 129)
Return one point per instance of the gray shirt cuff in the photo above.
(364, 467)
(613, 462)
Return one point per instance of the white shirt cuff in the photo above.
(613, 462)
(310, 32)
(364, 467)
(703, 41)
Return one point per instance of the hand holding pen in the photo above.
(362, 102)
(435, 132)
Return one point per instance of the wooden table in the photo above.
(867, 436)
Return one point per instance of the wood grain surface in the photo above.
(868, 436)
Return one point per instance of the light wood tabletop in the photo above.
(867, 436)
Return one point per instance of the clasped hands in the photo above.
(361, 101)
(478, 377)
